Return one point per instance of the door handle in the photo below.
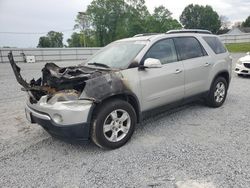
(178, 71)
(207, 64)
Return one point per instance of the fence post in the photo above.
(1, 56)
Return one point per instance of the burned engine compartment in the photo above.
(73, 82)
(67, 77)
(70, 80)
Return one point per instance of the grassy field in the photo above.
(238, 47)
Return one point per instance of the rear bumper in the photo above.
(69, 132)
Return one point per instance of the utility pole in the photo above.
(84, 24)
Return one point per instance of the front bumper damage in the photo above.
(72, 132)
(68, 120)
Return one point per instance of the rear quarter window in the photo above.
(215, 44)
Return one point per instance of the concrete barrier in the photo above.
(227, 38)
(48, 54)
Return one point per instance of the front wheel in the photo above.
(217, 93)
(113, 124)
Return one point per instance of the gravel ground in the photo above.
(191, 146)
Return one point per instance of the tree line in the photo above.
(105, 21)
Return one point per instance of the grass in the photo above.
(238, 47)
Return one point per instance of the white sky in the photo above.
(45, 15)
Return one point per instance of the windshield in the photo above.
(117, 55)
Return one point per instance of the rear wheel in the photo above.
(113, 124)
(217, 93)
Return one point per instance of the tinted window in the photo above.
(163, 50)
(215, 44)
(189, 47)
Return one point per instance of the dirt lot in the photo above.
(191, 145)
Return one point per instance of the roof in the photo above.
(199, 31)
(175, 33)
(235, 31)
(142, 38)
(238, 31)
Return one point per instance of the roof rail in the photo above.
(189, 31)
(146, 34)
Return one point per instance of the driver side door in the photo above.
(161, 86)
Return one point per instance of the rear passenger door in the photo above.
(196, 64)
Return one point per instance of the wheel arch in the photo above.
(224, 74)
(128, 97)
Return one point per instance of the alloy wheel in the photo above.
(116, 125)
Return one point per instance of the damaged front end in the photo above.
(69, 83)
(64, 97)
(66, 83)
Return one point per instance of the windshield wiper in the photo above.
(99, 64)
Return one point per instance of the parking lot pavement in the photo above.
(190, 146)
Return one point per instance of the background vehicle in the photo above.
(243, 65)
(105, 98)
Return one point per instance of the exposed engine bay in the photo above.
(70, 83)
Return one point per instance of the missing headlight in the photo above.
(64, 95)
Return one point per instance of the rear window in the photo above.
(189, 47)
(215, 44)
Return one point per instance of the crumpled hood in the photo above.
(92, 83)
(63, 83)
(68, 77)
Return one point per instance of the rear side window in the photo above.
(215, 44)
(189, 47)
(163, 50)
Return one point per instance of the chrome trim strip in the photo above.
(34, 113)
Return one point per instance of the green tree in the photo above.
(83, 24)
(44, 42)
(246, 23)
(109, 20)
(79, 40)
(51, 40)
(136, 17)
(106, 16)
(161, 21)
(200, 17)
(76, 40)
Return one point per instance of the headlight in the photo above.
(239, 62)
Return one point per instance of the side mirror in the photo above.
(152, 63)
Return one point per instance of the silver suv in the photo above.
(106, 97)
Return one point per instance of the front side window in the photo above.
(215, 44)
(163, 50)
(188, 48)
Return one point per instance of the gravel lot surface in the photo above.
(191, 146)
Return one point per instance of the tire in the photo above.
(119, 118)
(217, 93)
